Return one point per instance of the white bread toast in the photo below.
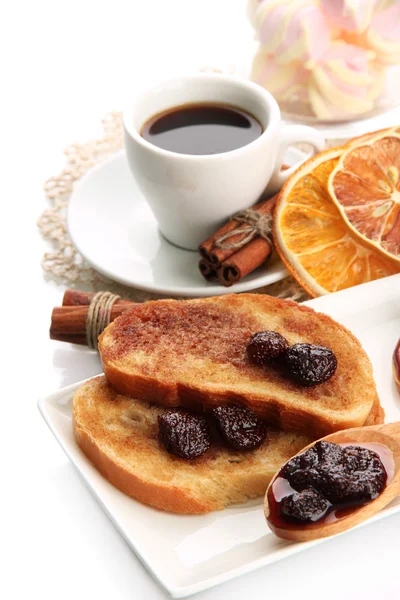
(193, 353)
(120, 436)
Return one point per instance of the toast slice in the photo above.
(193, 353)
(120, 436)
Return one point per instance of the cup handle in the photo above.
(291, 134)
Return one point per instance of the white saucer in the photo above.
(113, 228)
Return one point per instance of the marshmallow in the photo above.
(351, 15)
(292, 30)
(283, 81)
(345, 82)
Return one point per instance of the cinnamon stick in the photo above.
(75, 298)
(244, 261)
(206, 269)
(215, 256)
(68, 323)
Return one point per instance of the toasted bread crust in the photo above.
(145, 354)
(170, 499)
(133, 460)
(377, 414)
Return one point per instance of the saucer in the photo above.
(113, 228)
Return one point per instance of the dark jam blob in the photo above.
(240, 427)
(309, 365)
(304, 478)
(368, 476)
(356, 475)
(184, 434)
(265, 347)
(305, 467)
(328, 453)
(304, 507)
(342, 476)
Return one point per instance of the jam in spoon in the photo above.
(330, 487)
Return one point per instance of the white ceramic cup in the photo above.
(192, 195)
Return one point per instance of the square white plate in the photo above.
(187, 554)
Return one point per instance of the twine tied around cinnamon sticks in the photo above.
(99, 316)
(257, 225)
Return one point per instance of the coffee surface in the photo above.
(202, 129)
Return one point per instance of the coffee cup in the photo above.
(192, 195)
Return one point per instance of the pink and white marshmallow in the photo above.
(350, 15)
(345, 82)
(292, 30)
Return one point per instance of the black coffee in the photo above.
(202, 129)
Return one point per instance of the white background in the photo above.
(63, 66)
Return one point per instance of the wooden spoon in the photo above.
(389, 436)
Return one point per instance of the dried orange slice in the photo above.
(314, 241)
(366, 137)
(365, 185)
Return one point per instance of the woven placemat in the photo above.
(64, 263)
